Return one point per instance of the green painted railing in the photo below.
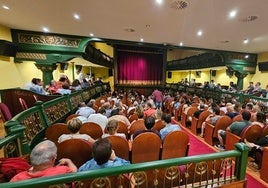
(27, 128)
(240, 155)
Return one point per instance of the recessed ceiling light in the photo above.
(245, 41)
(159, 1)
(246, 56)
(200, 33)
(76, 16)
(91, 34)
(232, 14)
(5, 7)
(45, 29)
(141, 40)
(181, 44)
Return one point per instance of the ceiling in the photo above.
(171, 22)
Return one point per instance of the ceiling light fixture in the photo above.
(200, 33)
(45, 29)
(245, 41)
(76, 16)
(181, 44)
(141, 39)
(91, 34)
(232, 14)
(246, 56)
(5, 7)
(159, 1)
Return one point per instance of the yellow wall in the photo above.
(14, 74)
(18, 74)
(220, 77)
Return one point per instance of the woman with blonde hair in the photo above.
(74, 126)
(111, 128)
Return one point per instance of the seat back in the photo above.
(146, 147)
(265, 130)
(202, 117)
(175, 144)
(237, 118)
(122, 128)
(133, 117)
(222, 123)
(78, 150)
(252, 133)
(158, 125)
(92, 129)
(131, 112)
(53, 132)
(71, 117)
(211, 131)
(197, 122)
(120, 146)
(23, 104)
(5, 112)
(136, 125)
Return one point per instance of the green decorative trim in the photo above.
(50, 40)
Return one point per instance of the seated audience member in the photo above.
(43, 158)
(260, 119)
(103, 156)
(148, 110)
(108, 108)
(212, 119)
(36, 85)
(199, 111)
(257, 89)
(149, 123)
(52, 88)
(116, 116)
(99, 118)
(132, 106)
(256, 149)
(231, 112)
(235, 128)
(112, 127)
(168, 126)
(65, 90)
(250, 88)
(76, 85)
(74, 126)
(86, 110)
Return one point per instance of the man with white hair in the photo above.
(43, 158)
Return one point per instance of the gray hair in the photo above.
(43, 153)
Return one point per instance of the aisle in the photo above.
(199, 146)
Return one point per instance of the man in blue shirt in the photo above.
(169, 127)
(103, 156)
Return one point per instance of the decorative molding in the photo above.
(31, 56)
(50, 40)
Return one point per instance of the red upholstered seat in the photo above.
(5, 112)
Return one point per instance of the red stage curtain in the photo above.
(139, 68)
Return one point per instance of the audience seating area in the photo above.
(145, 152)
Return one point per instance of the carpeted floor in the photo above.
(198, 146)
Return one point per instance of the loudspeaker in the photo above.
(63, 66)
(198, 73)
(110, 72)
(213, 72)
(229, 72)
(169, 74)
(263, 66)
(8, 48)
(78, 68)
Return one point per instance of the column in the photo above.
(47, 70)
(240, 79)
